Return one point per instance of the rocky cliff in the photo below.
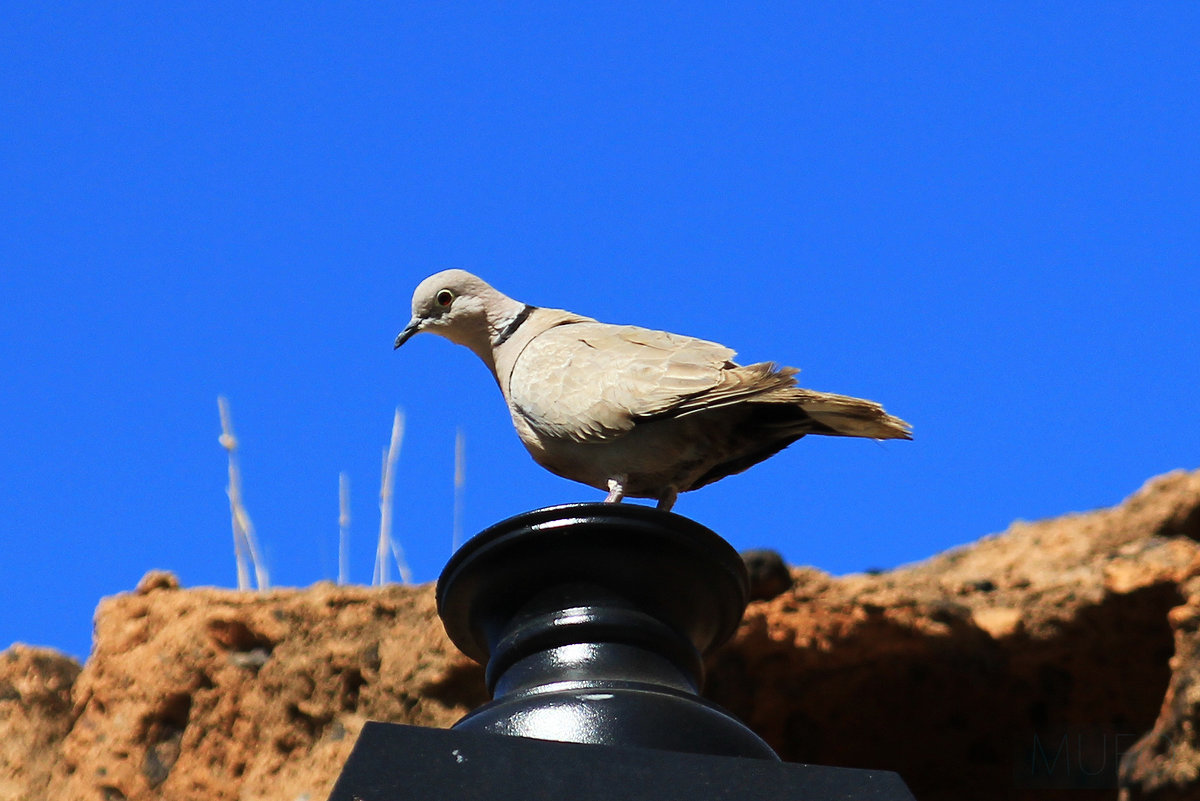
(1058, 659)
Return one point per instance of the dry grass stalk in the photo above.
(406, 575)
(245, 543)
(460, 483)
(386, 542)
(343, 528)
(379, 575)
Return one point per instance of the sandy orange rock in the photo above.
(1013, 668)
(35, 706)
(217, 694)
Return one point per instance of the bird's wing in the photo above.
(589, 382)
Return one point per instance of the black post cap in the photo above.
(592, 620)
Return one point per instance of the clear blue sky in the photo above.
(985, 216)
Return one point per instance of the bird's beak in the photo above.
(413, 327)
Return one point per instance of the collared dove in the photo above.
(636, 412)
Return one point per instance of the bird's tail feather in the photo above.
(796, 411)
(845, 416)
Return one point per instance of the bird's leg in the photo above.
(616, 489)
(667, 499)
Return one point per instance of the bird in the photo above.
(632, 411)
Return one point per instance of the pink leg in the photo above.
(616, 489)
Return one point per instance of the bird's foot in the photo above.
(667, 500)
(616, 489)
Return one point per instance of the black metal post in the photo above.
(592, 620)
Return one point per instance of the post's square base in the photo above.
(391, 762)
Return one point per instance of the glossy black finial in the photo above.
(592, 620)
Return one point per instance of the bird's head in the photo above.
(461, 307)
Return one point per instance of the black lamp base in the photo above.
(592, 620)
(391, 762)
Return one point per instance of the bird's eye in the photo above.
(444, 297)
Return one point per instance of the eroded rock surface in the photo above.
(1021, 666)
(218, 694)
(35, 716)
(1024, 666)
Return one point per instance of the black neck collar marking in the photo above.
(512, 327)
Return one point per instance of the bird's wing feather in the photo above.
(589, 382)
